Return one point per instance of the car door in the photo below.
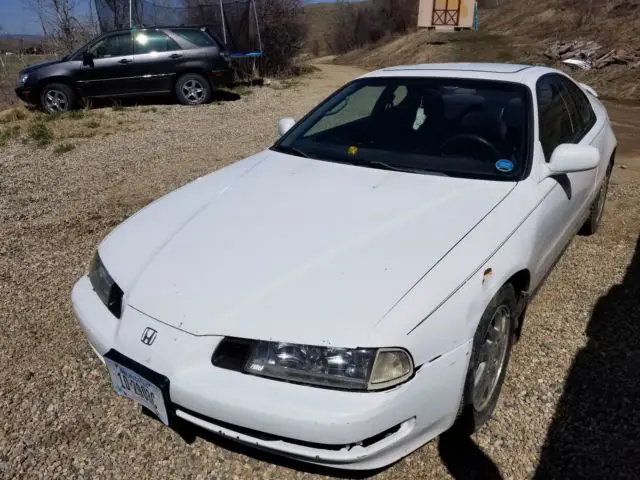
(565, 198)
(109, 73)
(156, 60)
(594, 131)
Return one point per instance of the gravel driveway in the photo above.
(570, 405)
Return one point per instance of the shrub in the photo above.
(360, 24)
(283, 31)
(39, 133)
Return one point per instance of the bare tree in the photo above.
(60, 23)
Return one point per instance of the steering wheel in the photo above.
(473, 137)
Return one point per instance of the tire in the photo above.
(193, 89)
(592, 224)
(477, 406)
(57, 98)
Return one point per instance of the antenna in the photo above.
(224, 27)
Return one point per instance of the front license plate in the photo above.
(129, 384)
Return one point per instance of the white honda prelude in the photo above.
(348, 294)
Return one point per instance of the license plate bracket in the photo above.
(140, 384)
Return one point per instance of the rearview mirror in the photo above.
(284, 125)
(568, 158)
(87, 59)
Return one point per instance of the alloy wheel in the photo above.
(56, 101)
(193, 91)
(602, 197)
(492, 356)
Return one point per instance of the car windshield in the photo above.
(459, 127)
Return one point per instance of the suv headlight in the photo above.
(22, 78)
(105, 287)
(329, 367)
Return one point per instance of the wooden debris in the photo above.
(595, 54)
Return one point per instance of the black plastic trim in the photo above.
(273, 438)
(110, 296)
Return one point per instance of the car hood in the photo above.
(298, 250)
(39, 65)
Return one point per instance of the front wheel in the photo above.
(492, 344)
(57, 98)
(193, 89)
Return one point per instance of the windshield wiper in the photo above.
(386, 166)
(293, 151)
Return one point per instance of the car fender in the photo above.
(442, 311)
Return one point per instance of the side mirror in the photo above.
(568, 158)
(284, 125)
(87, 59)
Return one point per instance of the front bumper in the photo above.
(356, 430)
(26, 94)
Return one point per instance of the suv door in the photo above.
(156, 60)
(110, 73)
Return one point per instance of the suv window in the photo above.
(555, 122)
(153, 41)
(116, 45)
(197, 37)
(582, 105)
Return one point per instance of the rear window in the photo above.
(197, 37)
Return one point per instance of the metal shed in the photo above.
(447, 14)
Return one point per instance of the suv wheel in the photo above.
(193, 89)
(57, 98)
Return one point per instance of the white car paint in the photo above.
(277, 247)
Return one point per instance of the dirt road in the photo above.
(569, 405)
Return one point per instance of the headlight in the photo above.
(22, 79)
(343, 368)
(105, 287)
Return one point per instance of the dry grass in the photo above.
(63, 148)
(43, 130)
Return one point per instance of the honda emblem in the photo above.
(149, 336)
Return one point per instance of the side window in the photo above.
(153, 41)
(196, 37)
(555, 123)
(116, 45)
(582, 105)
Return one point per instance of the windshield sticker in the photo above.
(352, 150)
(504, 165)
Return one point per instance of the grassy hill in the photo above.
(519, 31)
(319, 17)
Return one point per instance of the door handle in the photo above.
(175, 55)
(125, 60)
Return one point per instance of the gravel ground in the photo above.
(570, 406)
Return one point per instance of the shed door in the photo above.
(446, 12)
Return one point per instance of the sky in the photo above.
(17, 18)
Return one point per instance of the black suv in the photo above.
(186, 61)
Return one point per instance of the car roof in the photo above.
(155, 27)
(510, 72)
